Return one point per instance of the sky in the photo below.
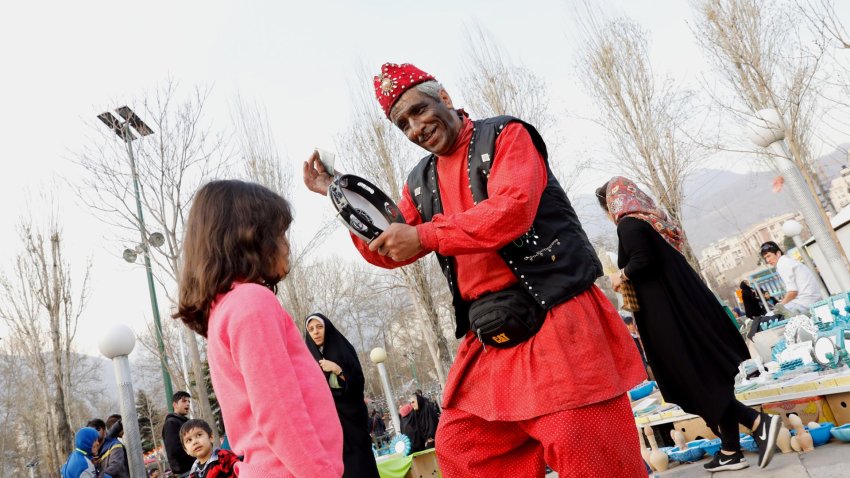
(65, 62)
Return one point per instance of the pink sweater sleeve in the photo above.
(285, 387)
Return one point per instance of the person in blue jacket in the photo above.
(79, 464)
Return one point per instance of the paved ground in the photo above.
(828, 461)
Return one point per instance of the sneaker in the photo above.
(722, 462)
(765, 437)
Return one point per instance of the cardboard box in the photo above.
(694, 428)
(839, 405)
(424, 466)
(810, 409)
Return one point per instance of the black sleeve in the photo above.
(354, 382)
(637, 244)
(173, 447)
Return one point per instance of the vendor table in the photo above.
(821, 385)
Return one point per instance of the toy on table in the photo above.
(658, 460)
(783, 440)
(801, 437)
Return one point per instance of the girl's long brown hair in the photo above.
(233, 233)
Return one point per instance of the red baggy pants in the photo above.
(597, 440)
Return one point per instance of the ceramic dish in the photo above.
(841, 433)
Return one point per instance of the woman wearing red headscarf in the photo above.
(693, 347)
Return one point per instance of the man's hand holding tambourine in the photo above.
(399, 242)
(316, 176)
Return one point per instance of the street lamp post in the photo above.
(793, 229)
(768, 131)
(116, 345)
(122, 129)
(378, 357)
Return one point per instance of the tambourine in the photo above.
(364, 209)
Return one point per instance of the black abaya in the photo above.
(693, 347)
(424, 425)
(357, 455)
(752, 305)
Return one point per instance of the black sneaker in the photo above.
(765, 436)
(722, 462)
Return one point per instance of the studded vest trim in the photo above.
(553, 260)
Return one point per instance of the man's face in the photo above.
(181, 407)
(771, 257)
(198, 444)
(426, 121)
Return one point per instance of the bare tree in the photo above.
(262, 163)
(644, 116)
(828, 33)
(758, 50)
(39, 306)
(183, 153)
(493, 85)
(10, 375)
(825, 21)
(376, 146)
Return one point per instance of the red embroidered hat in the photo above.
(394, 80)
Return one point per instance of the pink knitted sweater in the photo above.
(276, 404)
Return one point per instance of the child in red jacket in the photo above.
(196, 436)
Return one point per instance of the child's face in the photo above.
(283, 256)
(198, 444)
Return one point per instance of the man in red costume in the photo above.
(486, 202)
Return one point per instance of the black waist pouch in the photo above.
(506, 318)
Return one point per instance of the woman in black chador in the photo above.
(752, 305)
(693, 347)
(339, 362)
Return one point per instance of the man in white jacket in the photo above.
(801, 286)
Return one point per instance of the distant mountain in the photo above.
(719, 203)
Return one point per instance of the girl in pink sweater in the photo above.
(277, 408)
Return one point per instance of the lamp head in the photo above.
(792, 228)
(130, 255)
(156, 239)
(117, 341)
(378, 355)
(767, 127)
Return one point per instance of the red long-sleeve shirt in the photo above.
(474, 235)
(582, 355)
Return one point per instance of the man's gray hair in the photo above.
(430, 88)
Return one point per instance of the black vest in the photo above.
(554, 261)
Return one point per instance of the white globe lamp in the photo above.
(118, 340)
(792, 228)
(767, 128)
(378, 355)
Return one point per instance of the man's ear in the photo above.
(444, 95)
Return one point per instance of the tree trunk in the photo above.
(202, 398)
(64, 436)
(436, 341)
(51, 454)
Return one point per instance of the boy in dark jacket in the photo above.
(210, 462)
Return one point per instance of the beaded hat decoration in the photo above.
(394, 80)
